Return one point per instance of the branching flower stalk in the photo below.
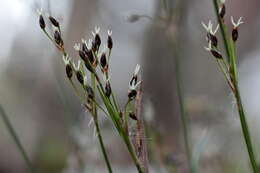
(94, 64)
(228, 66)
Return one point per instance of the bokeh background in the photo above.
(53, 126)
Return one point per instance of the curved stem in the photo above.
(17, 141)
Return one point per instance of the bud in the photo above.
(109, 40)
(213, 39)
(132, 94)
(97, 41)
(234, 34)
(90, 92)
(103, 62)
(58, 39)
(216, 54)
(54, 22)
(42, 22)
(69, 71)
(222, 11)
(132, 115)
(108, 89)
(80, 77)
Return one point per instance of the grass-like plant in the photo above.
(228, 65)
(92, 74)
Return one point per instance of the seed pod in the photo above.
(90, 92)
(57, 38)
(216, 54)
(97, 41)
(103, 60)
(90, 57)
(222, 11)
(83, 56)
(109, 42)
(69, 71)
(54, 22)
(132, 94)
(234, 34)
(42, 22)
(108, 89)
(80, 77)
(132, 115)
(213, 39)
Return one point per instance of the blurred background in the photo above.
(53, 126)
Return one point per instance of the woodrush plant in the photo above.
(92, 74)
(228, 65)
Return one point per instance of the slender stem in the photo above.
(183, 114)
(231, 55)
(17, 141)
(100, 138)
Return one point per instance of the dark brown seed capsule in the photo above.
(103, 60)
(80, 77)
(42, 22)
(83, 56)
(222, 11)
(90, 56)
(108, 89)
(54, 22)
(216, 54)
(132, 115)
(97, 41)
(57, 38)
(90, 92)
(213, 39)
(84, 47)
(69, 71)
(234, 34)
(109, 42)
(132, 94)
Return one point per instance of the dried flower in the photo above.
(133, 83)
(79, 74)
(210, 33)
(41, 19)
(68, 67)
(222, 11)
(214, 52)
(235, 28)
(58, 39)
(109, 39)
(103, 62)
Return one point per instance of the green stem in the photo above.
(14, 135)
(100, 138)
(231, 55)
(245, 130)
(183, 114)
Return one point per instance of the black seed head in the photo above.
(132, 115)
(90, 56)
(234, 34)
(103, 60)
(90, 92)
(132, 94)
(42, 22)
(57, 38)
(54, 22)
(213, 39)
(97, 41)
(222, 11)
(216, 54)
(69, 71)
(109, 42)
(108, 89)
(83, 56)
(80, 77)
